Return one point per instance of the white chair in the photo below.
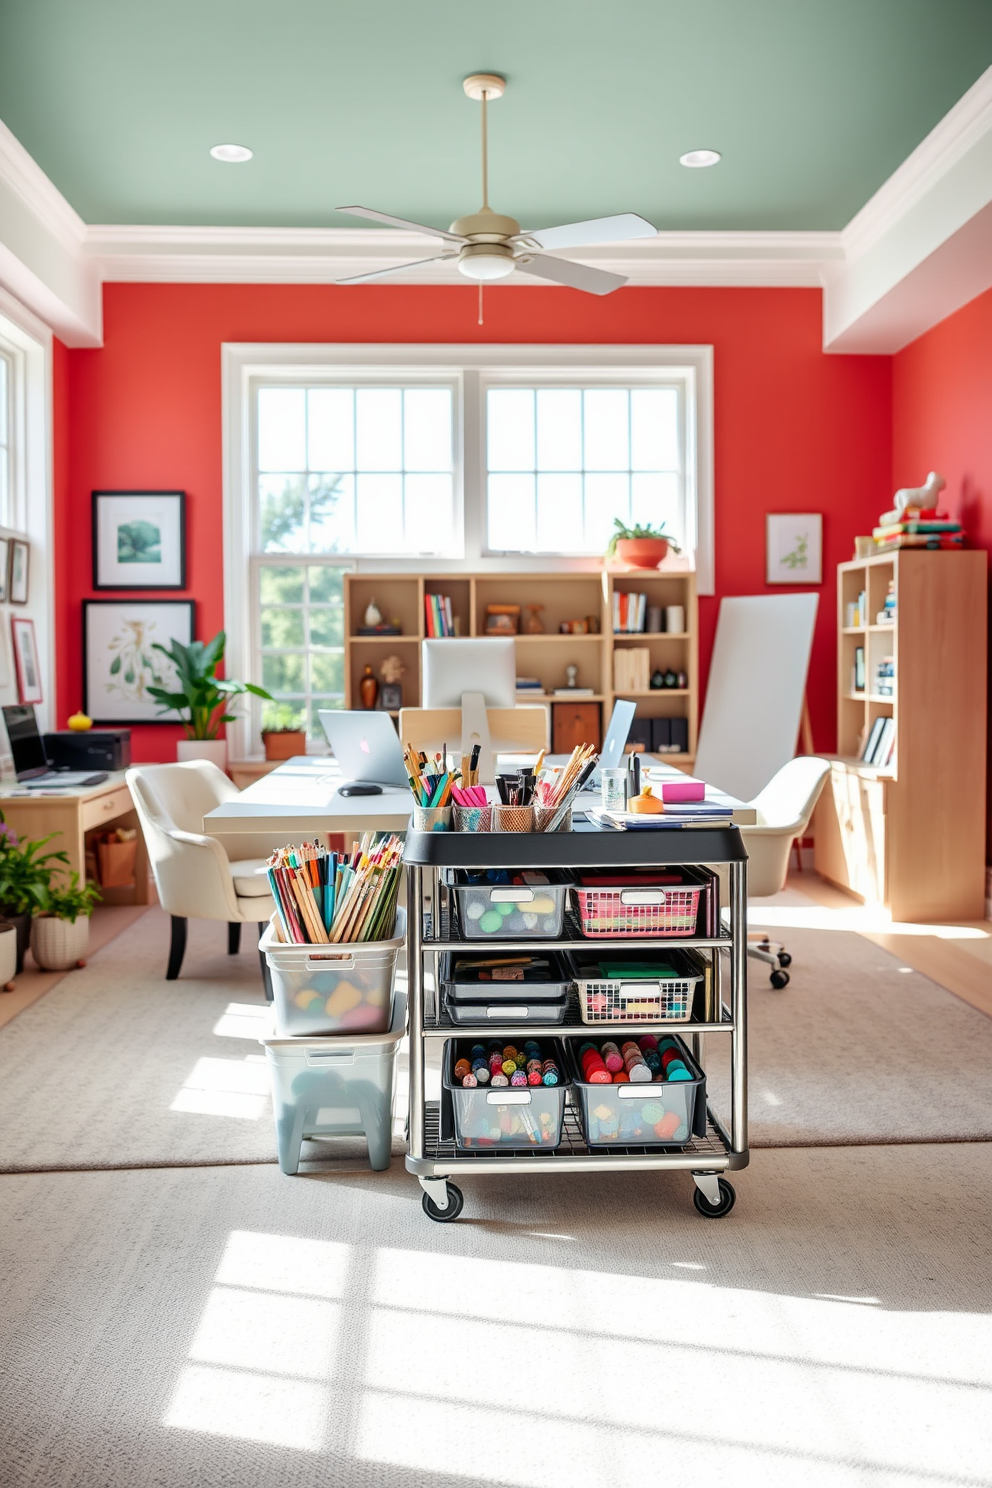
(193, 874)
(783, 809)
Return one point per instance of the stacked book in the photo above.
(917, 528)
(631, 669)
(629, 612)
(439, 618)
(887, 614)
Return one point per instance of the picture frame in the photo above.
(139, 539)
(859, 669)
(794, 548)
(4, 569)
(26, 658)
(390, 697)
(118, 659)
(20, 559)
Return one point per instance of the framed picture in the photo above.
(4, 569)
(17, 588)
(794, 548)
(139, 540)
(26, 657)
(119, 662)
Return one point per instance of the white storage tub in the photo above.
(332, 989)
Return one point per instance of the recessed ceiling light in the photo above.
(696, 159)
(233, 154)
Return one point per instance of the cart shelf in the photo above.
(441, 1026)
(449, 940)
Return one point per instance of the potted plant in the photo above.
(640, 547)
(60, 933)
(25, 881)
(204, 698)
(283, 731)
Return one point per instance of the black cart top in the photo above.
(588, 848)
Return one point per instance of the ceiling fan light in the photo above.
(486, 261)
(699, 159)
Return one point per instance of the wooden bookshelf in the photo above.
(563, 596)
(912, 836)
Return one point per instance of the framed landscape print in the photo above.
(119, 662)
(17, 588)
(139, 540)
(794, 545)
(26, 657)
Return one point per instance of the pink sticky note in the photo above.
(683, 790)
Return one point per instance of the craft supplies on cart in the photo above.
(519, 906)
(639, 987)
(478, 989)
(665, 1108)
(619, 905)
(332, 989)
(335, 1088)
(503, 1095)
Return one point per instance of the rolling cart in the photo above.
(431, 860)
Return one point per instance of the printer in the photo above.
(89, 749)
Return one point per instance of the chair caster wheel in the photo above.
(456, 1202)
(784, 959)
(779, 979)
(728, 1195)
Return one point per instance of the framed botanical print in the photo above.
(139, 540)
(26, 657)
(17, 588)
(794, 548)
(4, 569)
(119, 659)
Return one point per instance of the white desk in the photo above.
(301, 797)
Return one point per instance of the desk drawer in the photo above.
(105, 808)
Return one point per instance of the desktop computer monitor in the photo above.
(453, 667)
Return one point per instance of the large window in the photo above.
(300, 641)
(6, 423)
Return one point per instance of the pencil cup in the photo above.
(473, 818)
(432, 818)
(513, 818)
(546, 815)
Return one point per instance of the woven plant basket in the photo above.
(57, 945)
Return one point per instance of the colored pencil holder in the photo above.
(473, 818)
(432, 818)
(513, 818)
(546, 815)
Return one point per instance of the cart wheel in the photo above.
(779, 979)
(728, 1194)
(456, 1202)
(784, 959)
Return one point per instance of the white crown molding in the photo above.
(21, 174)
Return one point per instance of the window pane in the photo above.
(427, 429)
(331, 429)
(378, 421)
(607, 443)
(607, 496)
(379, 511)
(327, 627)
(282, 627)
(559, 511)
(559, 429)
(284, 673)
(282, 500)
(511, 513)
(316, 729)
(654, 429)
(280, 585)
(332, 514)
(326, 584)
(428, 513)
(656, 499)
(510, 428)
(5, 512)
(4, 396)
(282, 429)
(327, 671)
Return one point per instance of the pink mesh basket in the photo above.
(635, 912)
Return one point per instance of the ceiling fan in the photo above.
(489, 246)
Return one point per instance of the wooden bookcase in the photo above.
(912, 836)
(563, 596)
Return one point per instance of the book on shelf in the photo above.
(629, 612)
(530, 684)
(574, 691)
(934, 540)
(440, 621)
(893, 529)
(631, 669)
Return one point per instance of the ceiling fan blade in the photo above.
(576, 276)
(621, 229)
(374, 216)
(394, 269)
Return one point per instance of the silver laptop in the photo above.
(366, 746)
(611, 754)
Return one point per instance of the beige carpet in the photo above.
(232, 1328)
(115, 1067)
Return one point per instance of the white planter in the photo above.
(57, 945)
(214, 750)
(8, 954)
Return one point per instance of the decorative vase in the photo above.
(373, 614)
(58, 945)
(283, 744)
(368, 689)
(642, 552)
(214, 750)
(8, 954)
(22, 927)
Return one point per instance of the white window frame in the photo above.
(471, 368)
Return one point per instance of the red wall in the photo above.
(795, 430)
(942, 420)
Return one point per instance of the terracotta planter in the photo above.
(57, 945)
(284, 744)
(214, 750)
(642, 552)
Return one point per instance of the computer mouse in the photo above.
(359, 788)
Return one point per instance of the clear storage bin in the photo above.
(531, 906)
(329, 1088)
(541, 996)
(664, 1114)
(508, 1117)
(332, 989)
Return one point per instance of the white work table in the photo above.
(301, 797)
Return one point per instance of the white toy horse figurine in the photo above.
(922, 496)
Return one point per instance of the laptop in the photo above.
(366, 746)
(34, 768)
(611, 755)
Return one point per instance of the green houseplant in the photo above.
(25, 881)
(640, 546)
(203, 701)
(60, 932)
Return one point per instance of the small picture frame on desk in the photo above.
(20, 555)
(26, 658)
(794, 548)
(139, 540)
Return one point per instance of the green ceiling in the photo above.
(813, 104)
